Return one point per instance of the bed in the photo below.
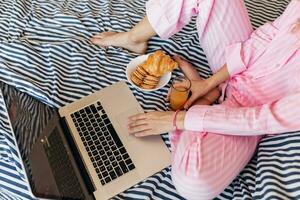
(45, 52)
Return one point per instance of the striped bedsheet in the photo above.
(45, 52)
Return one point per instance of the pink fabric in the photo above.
(168, 17)
(217, 23)
(262, 96)
(267, 92)
(236, 64)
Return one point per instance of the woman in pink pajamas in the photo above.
(258, 73)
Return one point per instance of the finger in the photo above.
(179, 59)
(184, 84)
(187, 68)
(137, 117)
(145, 133)
(135, 123)
(137, 129)
(190, 101)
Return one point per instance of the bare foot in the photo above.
(122, 39)
(187, 68)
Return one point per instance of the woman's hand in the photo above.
(199, 88)
(154, 123)
(192, 74)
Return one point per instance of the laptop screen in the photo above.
(44, 150)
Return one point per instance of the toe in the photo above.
(97, 41)
(99, 35)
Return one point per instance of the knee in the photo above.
(196, 188)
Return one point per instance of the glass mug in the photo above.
(180, 89)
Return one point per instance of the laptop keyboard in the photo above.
(105, 149)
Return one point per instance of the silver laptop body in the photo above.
(148, 155)
(68, 159)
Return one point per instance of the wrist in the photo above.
(180, 120)
(210, 82)
(221, 76)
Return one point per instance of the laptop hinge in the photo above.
(84, 174)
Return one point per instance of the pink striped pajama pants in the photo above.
(204, 164)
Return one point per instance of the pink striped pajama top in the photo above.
(265, 77)
(262, 95)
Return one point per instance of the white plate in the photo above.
(132, 65)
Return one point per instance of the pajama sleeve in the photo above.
(273, 118)
(240, 55)
(167, 17)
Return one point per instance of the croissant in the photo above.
(159, 63)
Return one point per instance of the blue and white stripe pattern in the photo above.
(45, 52)
(13, 184)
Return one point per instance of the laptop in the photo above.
(84, 151)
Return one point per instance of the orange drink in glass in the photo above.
(179, 92)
